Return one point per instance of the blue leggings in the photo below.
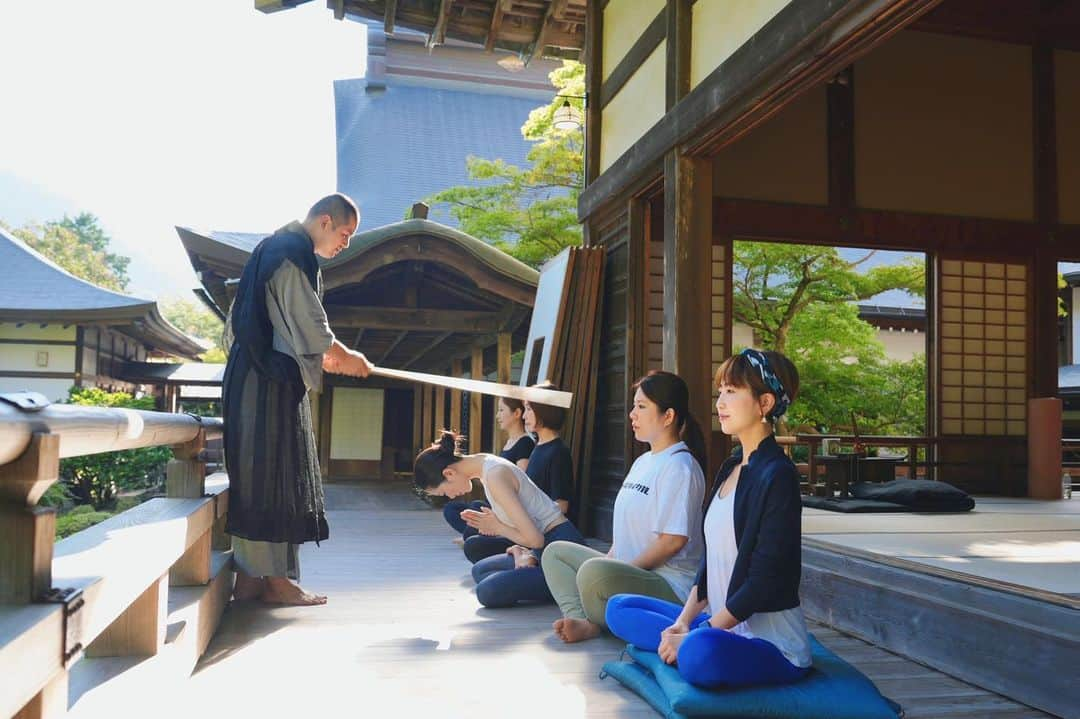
(498, 584)
(708, 657)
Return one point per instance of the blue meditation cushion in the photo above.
(832, 690)
(635, 678)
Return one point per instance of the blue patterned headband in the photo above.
(761, 363)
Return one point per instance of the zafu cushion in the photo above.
(921, 495)
(833, 689)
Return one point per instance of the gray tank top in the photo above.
(541, 508)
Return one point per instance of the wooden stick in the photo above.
(527, 394)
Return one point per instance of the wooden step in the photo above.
(109, 686)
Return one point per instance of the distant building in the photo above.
(58, 331)
(404, 131)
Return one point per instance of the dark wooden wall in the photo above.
(609, 460)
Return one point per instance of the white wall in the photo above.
(356, 423)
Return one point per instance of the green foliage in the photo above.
(800, 300)
(72, 522)
(1063, 307)
(97, 478)
(56, 496)
(80, 246)
(528, 212)
(197, 321)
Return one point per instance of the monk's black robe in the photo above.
(279, 333)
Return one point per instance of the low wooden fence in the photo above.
(157, 576)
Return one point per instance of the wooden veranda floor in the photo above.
(404, 636)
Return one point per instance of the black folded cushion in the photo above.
(922, 495)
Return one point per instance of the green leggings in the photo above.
(582, 580)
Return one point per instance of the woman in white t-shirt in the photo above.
(657, 520)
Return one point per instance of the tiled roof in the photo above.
(34, 282)
(400, 144)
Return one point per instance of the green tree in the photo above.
(528, 212)
(80, 246)
(801, 300)
(97, 478)
(197, 321)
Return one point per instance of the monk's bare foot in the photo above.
(523, 556)
(576, 630)
(247, 587)
(280, 590)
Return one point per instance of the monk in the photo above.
(279, 344)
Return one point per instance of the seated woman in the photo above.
(657, 521)
(550, 468)
(509, 414)
(519, 511)
(754, 632)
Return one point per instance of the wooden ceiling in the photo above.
(1055, 23)
(531, 28)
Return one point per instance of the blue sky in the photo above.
(203, 112)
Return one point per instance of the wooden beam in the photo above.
(496, 25)
(339, 9)
(426, 422)
(392, 347)
(388, 17)
(594, 75)
(438, 32)
(418, 419)
(639, 52)
(555, 8)
(840, 101)
(359, 336)
(422, 320)
(476, 406)
(688, 236)
(439, 339)
(679, 39)
(440, 409)
(806, 42)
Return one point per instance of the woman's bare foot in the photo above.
(575, 630)
(280, 590)
(248, 587)
(523, 556)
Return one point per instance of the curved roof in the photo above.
(218, 256)
(36, 288)
(491, 257)
(35, 283)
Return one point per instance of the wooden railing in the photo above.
(113, 590)
(823, 483)
(1070, 462)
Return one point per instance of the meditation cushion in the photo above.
(852, 505)
(833, 689)
(920, 495)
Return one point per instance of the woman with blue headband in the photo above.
(742, 623)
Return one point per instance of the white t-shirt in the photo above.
(662, 494)
(786, 630)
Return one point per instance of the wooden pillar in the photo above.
(1044, 448)
(185, 478)
(502, 358)
(418, 419)
(1043, 281)
(594, 78)
(679, 18)
(476, 407)
(455, 397)
(27, 532)
(441, 422)
(687, 276)
(426, 434)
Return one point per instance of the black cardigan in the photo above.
(768, 533)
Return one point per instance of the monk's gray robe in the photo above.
(271, 455)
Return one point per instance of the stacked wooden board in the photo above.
(573, 355)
